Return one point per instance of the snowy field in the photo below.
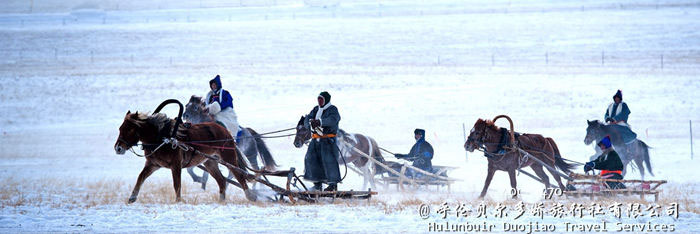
(70, 70)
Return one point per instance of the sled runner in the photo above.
(594, 186)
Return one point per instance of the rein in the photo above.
(231, 139)
(490, 155)
(152, 152)
(278, 131)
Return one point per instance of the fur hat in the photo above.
(606, 142)
(618, 94)
(419, 131)
(326, 97)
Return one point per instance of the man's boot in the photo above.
(331, 187)
(317, 187)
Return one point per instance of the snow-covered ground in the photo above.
(68, 73)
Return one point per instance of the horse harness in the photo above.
(503, 144)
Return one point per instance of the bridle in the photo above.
(306, 135)
(481, 146)
(479, 142)
(126, 143)
(591, 135)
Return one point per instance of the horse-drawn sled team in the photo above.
(212, 135)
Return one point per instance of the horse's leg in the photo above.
(540, 173)
(205, 178)
(249, 149)
(229, 156)
(489, 177)
(148, 169)
(253, 154)
(365, 175)
(372, 170)
(177, 178)
(556, 178)
(640, 165)
(624, 167)
(230, 175)
(202, 180)
(513, 182)
(213, 167)
(190, 170)
(369, 164)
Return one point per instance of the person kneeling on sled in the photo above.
(608, 163)
(421, 154)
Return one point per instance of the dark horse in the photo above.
(250, 142)
(361, 142)
(486, 134)
(637, 150)
(149, 129)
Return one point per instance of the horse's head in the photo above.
(303, 133)
(594, 131)
(128, 133)
(194, 110)
(476, 136)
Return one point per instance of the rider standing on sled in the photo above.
(220, 105)
(608, 163)
(421, 154)
(321, 161)
(616, 115)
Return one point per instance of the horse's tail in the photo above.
(558, 160)
(647, 161)
(555, 147)
(566, 167)
(242, 164)
(265, 154)
(378, 156)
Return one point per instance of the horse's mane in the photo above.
(159, 120)
(596, 123)
(196, 99)
(343, 133)
(346, 135)
(301, 121)
(490, 124)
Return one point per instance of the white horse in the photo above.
(250, 143)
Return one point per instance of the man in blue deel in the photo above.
(421, 154)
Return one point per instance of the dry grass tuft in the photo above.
(84, 194)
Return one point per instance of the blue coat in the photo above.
(329, 119)
(221, 96)
(618, 113)
(321, 161)
(421, 154)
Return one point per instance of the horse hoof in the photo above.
(250, 195)
(222, 197)
(132, 200)
(178, 200)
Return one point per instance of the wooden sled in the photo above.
(594, 186)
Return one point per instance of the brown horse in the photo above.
(486, 134)
(150, 131)
(361, 142)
